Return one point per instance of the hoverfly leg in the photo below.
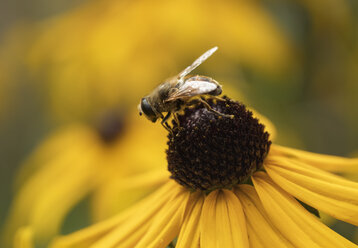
(177, 122)
(166, 126)
(165, 123)
(209, 108)
(165, 118)
(176, 119)
(218, 98)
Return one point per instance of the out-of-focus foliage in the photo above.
(11, 54)
(295, 61)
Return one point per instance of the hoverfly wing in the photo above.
(196, 63)
(194, 86)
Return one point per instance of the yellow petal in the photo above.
(23, 238)
(189, 236)
(144, 216)
(329, 193)
(167, 222)
(324, 162)
(261, 231)
(114, 195)
(107, 229)
(254, 240)
(57, 144)
(132, 240)
(47, 196)
(62, 195)
(222, 222)
(297, 225)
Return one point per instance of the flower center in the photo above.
(110, 126)
(207, 151)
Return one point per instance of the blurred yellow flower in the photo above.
(97, 55)
(23, 238)
(211, 202)
(78, 160)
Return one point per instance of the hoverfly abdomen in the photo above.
(216, 92)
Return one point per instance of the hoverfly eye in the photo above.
(147, 109)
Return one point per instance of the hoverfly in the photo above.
(178, 92)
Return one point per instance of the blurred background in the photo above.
(77, 69)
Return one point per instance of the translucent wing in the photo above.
(194, 86)
(196, 63)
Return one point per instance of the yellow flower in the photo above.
(230, 187)
(23, 238)
(106, 57)
(79, 160)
